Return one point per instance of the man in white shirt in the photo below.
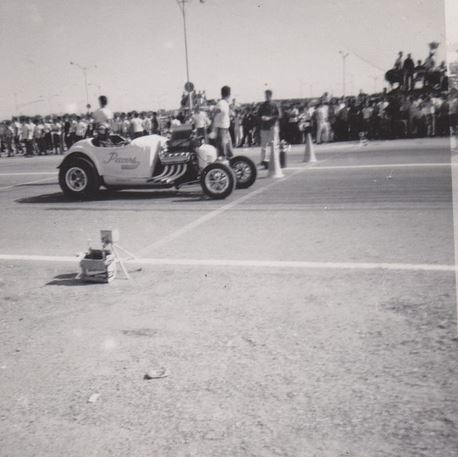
(322, 119)
(136, 124)
(146, 124)
(80, 130)
(29, 130)
(103, 115)
(38, 135)
(221, 124)
(201, 122)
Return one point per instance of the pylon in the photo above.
(274, 163)
(309, 153)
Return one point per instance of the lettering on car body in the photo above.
(127, 163)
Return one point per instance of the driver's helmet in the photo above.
(102, 129)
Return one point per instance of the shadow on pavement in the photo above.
(69, 279)
(59, 197)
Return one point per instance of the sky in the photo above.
(290, 46)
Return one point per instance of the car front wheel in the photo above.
(218, 181)
(78, 179)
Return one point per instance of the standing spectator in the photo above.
(408, 70)
(398, 62)
(9, 138)
(306, 121)
(17, 135)
(269, 115)
(293, 121)
(39, 137)
(80, 130)
(66, 131)
(155, 130)
(136, 125)
(146, 125)
(354, 120)
(56, 129)
(238, 128)
(367, 113)
(248, 124)
(393, 111)
(47, 134)
(125, 126)
(322, 121)
(29, 130)
(414, 116)
(72, 130)
(201, 122)
(90, 126)
(221, 124)
(116, 125)
(430, 117)
(103, 115)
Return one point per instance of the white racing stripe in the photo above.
(26, 183)
(281, 264)
(30, 173)
(317, 167)
(211, 215)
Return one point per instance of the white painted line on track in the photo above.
(211, 215)
(297, 264)
(25, 183)
(281, 264)
(30, 173)
(317, 167)
(38, 258)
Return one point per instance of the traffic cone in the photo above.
(309, 153)
(274, 164)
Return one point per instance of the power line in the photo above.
(367, 61)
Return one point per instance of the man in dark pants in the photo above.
(269, 115)
(248, 123)
(408, 70)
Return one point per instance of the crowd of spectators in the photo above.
(376, 116)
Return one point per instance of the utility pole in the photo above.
(182, 6)
(84, 69)
(344, 70)
(375, 78)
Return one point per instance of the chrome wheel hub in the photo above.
(217, 181)
(242, 171)
(76, 179)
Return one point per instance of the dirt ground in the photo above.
(328, 363)
(311, 316)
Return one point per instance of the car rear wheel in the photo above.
(78, 179)
(218, 181)
(245, 171)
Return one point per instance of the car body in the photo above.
(152, 161)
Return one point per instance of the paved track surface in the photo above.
(311, 315)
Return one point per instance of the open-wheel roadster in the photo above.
(152, 162)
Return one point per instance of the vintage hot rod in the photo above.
(152, 162)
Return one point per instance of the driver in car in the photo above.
(105, 140)
(102, 120)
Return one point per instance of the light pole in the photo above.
(16, 103)
(375, 78)
(344, 59)
(182, 5)
(84, 70)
